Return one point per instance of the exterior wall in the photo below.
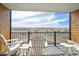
(75, 26)
(4, 25)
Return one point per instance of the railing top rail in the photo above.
(41, 32)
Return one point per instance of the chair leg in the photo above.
(78, 53)
(72, 50)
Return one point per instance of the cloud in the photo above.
(33, 20)
(39, 19)
(49, 24)
(21, 14)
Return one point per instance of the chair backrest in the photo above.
(30, 43)
(46, 44)
(5, 41)
(38, 44)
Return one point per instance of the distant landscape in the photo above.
(40, 29)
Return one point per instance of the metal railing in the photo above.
(20, 35)
(38, 39)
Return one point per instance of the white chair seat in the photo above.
(24, 46)
(14, 47)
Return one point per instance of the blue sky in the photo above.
(29, 19)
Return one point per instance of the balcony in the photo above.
(38, 39)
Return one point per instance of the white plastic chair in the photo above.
(11, 45)
(75, 46)
(71, 44)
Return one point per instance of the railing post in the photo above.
(70, 26)
(55, 38)
(28, 37)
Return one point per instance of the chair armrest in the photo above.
(71, 42)
(13, 43)
(12, 40)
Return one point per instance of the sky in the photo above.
(30, 19)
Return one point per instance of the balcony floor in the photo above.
(52, 50)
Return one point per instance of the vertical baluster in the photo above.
(36, 41)
(28, 37)
(55, 38)
(20, 35)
